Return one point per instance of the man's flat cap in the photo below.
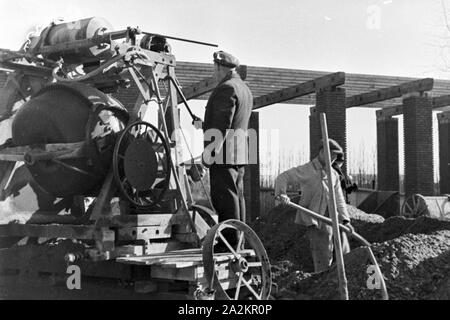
(334, 146)
(226, 59)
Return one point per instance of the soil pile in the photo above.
(413, 254)
(414, 267)
(396, 226)
(285, 240)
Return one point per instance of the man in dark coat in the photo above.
(346, 181)
(225, 128)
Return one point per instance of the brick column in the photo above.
(388, 175)
(251, 177)
(444, 152)
(418, 137)
(332, 102)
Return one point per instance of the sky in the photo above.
(390, 37)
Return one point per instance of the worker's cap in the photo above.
(334, 147)
(225, 59)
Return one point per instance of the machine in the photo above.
(123, 209)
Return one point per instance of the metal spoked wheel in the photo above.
(245, 265)
(141, 164)
(446, 208)
(414, 206)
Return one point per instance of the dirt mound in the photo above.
(286, 240)
(414, 257)
(359, 216)
(394, 227)
(283, 239)
(414, 267)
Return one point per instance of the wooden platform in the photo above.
(187, 265)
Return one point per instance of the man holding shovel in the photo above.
(313, 182)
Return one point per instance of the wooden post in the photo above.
(333, 212)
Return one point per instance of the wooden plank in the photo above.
(263, 80)
(42, 258)
(184, 274)
(330, 80)
(199, 88)
(437, 102)
(44, 152)
(208, 84)
(48, 231)
(149, 220)
(145, 233)
(193, 273)
(441, 101)
(166, 246)
(390, 92)
(44, 217)
(180, 260)
(389, 112)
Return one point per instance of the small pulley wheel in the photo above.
(141, 164)
(236, 270)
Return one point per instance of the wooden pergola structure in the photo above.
(333, 94)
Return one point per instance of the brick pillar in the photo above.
(332, 102)
(388, 175)
(418, 137)
(444, 152)
(251, 177)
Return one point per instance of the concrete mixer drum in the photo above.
(69, 113)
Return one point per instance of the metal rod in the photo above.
(180, 39)
(343, 289)
(193, 116)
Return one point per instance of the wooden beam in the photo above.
(389, 112)
(48, 231)
(305, 88)
(43, 152)
(208, 84)
(437, 102)
(441, 102)
(390, 92)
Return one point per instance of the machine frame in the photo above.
(154, 249)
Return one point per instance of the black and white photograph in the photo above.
(238, 151)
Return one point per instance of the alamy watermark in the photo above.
(74, 279)
(374, 280)
(234, 146)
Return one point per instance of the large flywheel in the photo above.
(141, 164)
(246, 263)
